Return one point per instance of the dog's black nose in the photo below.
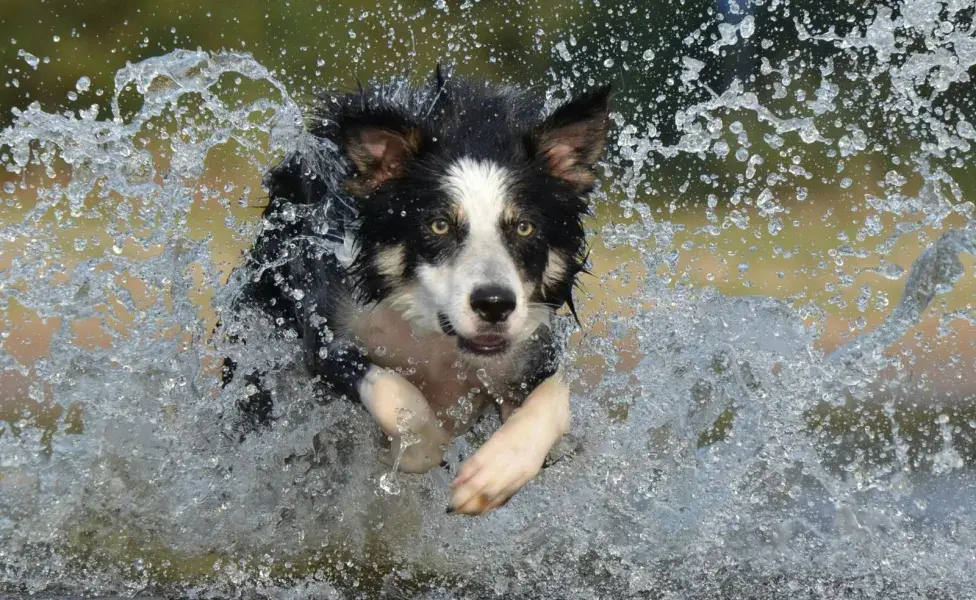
(493, 303)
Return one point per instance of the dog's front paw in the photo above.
(506, 462)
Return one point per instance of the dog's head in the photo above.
(470, 216)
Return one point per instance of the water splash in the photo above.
(388, 481)
(706, 468)
(935, 272)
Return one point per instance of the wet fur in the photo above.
(347, 229)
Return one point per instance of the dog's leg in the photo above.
(403, 414)
(515, 453)
(396, 405)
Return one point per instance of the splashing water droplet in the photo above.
(563, 51)
(388, 481)
(29, 58)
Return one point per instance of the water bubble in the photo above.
(389, 484)
(739, 219)
(29, 58)
(288, 213)
(563, 51)
(721, 148)
(873, 225)
(747, 27)
(691, 68)
(965, 129)
(83, 84)
(809, 134)
(890, 271)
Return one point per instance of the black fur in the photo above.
(321, 193)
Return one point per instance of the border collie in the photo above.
(419, 246)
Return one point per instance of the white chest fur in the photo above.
(458, 387)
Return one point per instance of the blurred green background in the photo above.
(312, 44)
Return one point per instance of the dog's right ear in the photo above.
(573, 137)
(379, 151)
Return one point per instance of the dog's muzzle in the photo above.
(486, 344)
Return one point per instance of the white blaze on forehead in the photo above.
(481, 189)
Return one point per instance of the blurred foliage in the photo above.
(316, 43)
(637, 45)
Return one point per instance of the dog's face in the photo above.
(471, 225)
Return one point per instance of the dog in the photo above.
(419, 246)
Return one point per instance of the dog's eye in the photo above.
(440, 226)
(524, 228)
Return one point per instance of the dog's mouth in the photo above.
(483, 344)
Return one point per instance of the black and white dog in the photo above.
(419, 247)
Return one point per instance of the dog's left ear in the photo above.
(379, 151)
(573, 137)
